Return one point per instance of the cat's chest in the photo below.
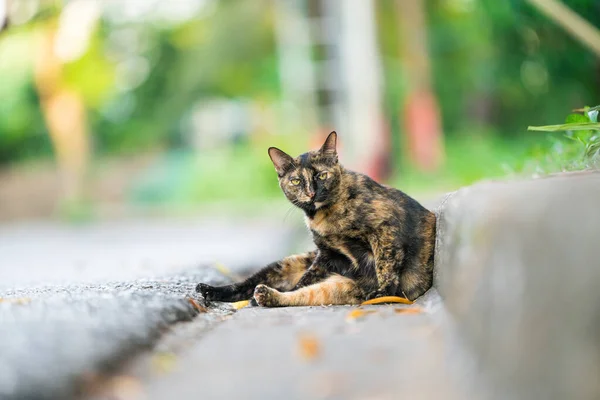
(331, 223)
(324, 226)
(355, 248)
(342, 235)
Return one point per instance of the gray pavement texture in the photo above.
(75, 301)
(52, 338)
(317, 353)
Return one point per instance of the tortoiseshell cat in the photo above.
(372, 240)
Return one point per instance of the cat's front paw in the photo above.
(265, 296)
(206, 291)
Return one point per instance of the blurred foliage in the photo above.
(503, 64)
(239, 173)
(140, 79)
(498, 66)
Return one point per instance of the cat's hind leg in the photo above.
(282, 275)
(333, 290)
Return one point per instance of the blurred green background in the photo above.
(117, 107)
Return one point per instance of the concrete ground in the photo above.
(75, 301)
(82, 309)
(101, 312)
(380, 352)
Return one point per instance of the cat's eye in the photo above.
(295, 181)
(323, 175)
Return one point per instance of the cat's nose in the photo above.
(311, 194)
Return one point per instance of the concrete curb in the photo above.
(518, 266)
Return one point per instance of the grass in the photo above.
(468, 159)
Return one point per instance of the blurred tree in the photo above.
(503, 64)
(229, 53)
(421, 110)
(64, 112)
(496, 65)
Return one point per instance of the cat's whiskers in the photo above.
(288, 212)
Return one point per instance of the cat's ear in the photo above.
(281, 160)
(328, 147)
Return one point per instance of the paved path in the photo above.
(44, 253)
(80, 303)
(77, 300)
(311, 353)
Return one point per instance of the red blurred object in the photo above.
(424, 131)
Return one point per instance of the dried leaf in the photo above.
(358, 313)
(124, 388)
(240, 304)
(225, 271)
(387, 299)
(164, 362)
(309, 347)
(197, 306)
(412, 310)
(15, 300)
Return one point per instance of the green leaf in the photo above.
(576, 118)
(581, 126)
(592, 149)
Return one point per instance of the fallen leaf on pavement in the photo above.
(164, 362)
(387, 299)
(17, 300)
(225, 271)
(358, 313)
(124, 388)
(415, 310)
(197, 306)
(240, 304)
(309, 347)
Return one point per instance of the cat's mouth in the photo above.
(310, 205)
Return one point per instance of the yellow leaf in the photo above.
(387, 299)
(309, 347)
(164, 362)
(358, 313)
(223, 269)
(16, 300)
(415, 310)
(240, 304)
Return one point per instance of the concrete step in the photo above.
(518, 266)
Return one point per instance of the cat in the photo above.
(371, 240)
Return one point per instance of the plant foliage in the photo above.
(583, 130)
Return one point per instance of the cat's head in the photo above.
(311, 180)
